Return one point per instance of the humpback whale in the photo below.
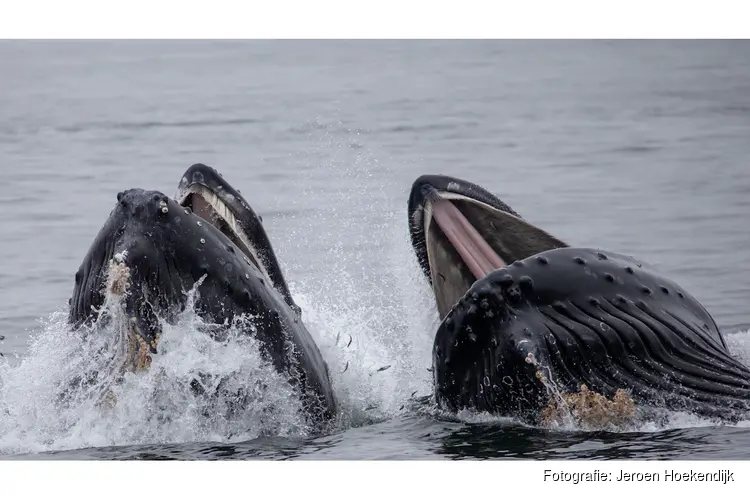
(534, 328)
(153, 250)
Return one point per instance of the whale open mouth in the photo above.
(210, 197)
(210, 206)
(465, 239)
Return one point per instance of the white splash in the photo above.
(45, 405)
(377, 344)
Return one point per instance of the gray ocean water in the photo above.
(638, 147)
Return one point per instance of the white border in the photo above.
(349, 19)
(373, 19)
(356, 480)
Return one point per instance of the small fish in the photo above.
(384, 368)
(350, 341)
(430, 370)
(371, 407)
(2, 337)
(338, 336)
(413, 393)
(346, 367)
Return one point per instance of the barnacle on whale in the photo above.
(118, 277)
(590, 409)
